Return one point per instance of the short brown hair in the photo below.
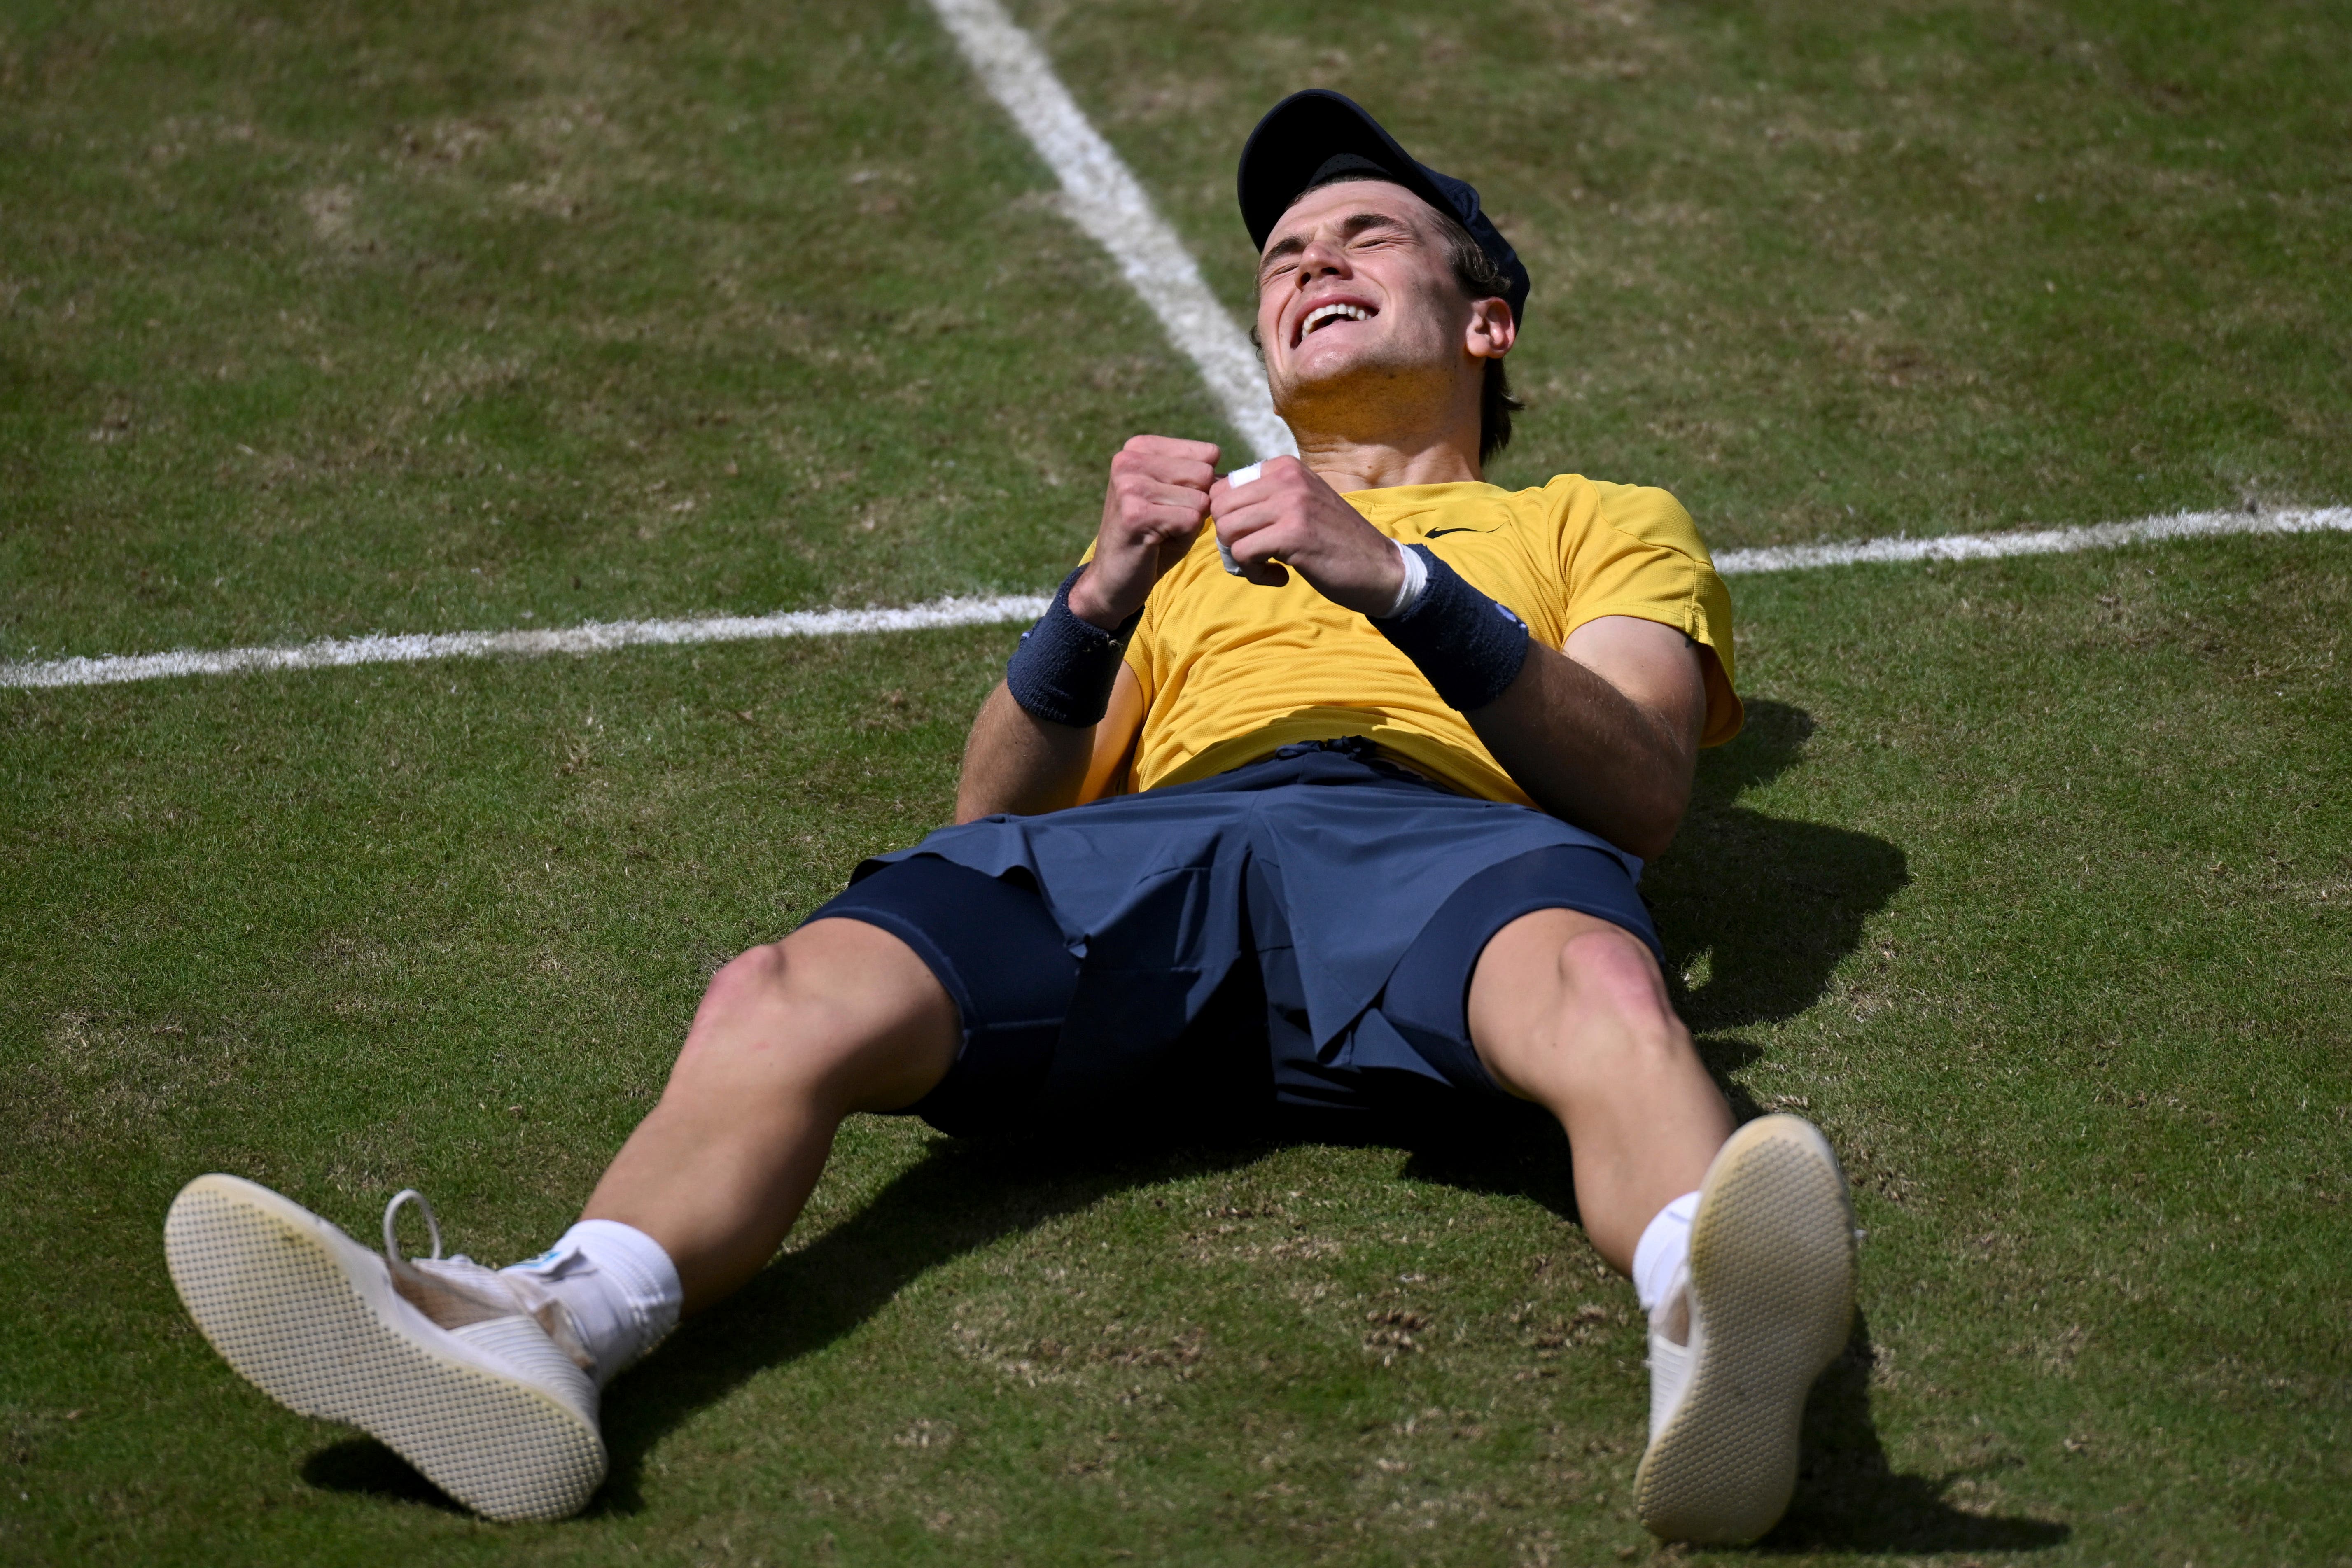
(1480, 279)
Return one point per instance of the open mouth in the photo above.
(1324, 315)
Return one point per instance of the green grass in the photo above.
(324, 320)
(1829, 268)
(2030, 881)
(2023, 883)
(329, 319)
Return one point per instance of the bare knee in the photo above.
(1609, 976)
(746, 1008)
(838, 1010)
(751, 980)
(1609, 1024)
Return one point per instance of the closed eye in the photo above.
(1358, 231)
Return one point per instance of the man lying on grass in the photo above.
(1357, 805)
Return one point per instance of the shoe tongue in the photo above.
(1671, 1320)
(455, 1293)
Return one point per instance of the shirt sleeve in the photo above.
(1642, 555)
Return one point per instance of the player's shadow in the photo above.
(1756, 912)
(1850, 1499)
(961, 1197)
(365, 1467)
(1774, 904)
(1769, 904)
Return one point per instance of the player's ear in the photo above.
(1491, 328)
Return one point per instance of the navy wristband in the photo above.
(1063, 669)
(1470, 646)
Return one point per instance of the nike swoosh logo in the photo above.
(1442, 532)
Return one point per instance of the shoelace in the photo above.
(461, 1291)
(391, 1232)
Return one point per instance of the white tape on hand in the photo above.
(1415, 583)
(1235, 481)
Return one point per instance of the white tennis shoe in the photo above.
(473, 1377)
(1768, 1293)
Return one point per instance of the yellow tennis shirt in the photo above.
(1232, 671)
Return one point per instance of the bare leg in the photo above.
(1571, 1013)
(839, 1016)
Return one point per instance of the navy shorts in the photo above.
(1298, 932)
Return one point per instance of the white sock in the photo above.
(617, 1283)
(1664, 1247)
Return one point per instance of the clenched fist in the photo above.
(1288, 512)
(1158, 498)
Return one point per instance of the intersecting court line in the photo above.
(1104, 198)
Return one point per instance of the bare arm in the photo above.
(1604, 735)
(1013, 762)
(1152, 511)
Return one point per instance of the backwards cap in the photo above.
(1315, 135)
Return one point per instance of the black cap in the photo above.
(1311, 136)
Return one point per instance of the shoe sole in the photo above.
(310, 1317)
(1772, 1275)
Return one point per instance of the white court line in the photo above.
(590, 636)
(1102, 197)
(600, 636)
(2039, 541)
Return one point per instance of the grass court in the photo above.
(2030, 881)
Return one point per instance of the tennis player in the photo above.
(1356, 827)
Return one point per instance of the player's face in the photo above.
(1354, 280)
